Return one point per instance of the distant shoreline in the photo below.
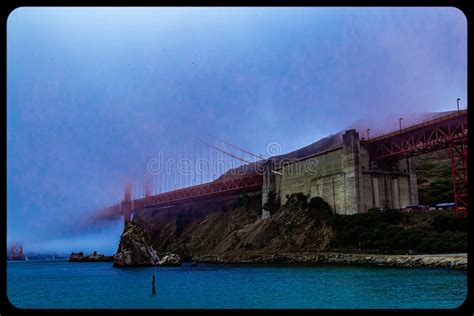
(447, 261)
(450, 261)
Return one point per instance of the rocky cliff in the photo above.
(135, 248)
(231, 229)
(233, 226)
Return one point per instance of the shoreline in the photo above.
(449, 261)
(446, 261)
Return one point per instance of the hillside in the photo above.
(299, 226)
(433, 171)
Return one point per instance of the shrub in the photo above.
(443, 223)
(384, 232)
(375, 210)
(440, 190)
(299, 200)
(319, 208)
(391, 216)
(318, 203)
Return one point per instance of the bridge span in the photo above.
(354, 176)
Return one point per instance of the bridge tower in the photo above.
(148, 187)
(16, 251)
(127, 203)
(458, 153)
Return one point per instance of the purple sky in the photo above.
(92, 94)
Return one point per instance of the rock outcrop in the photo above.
(170, 260)
(93, 257)
(233, 226)
(76, 257)
(135, 248)
(301, 225)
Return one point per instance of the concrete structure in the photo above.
(346, 178)
(268, 187)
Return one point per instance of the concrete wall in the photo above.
(347, 179)
(268, 186)
(315, 176)
(388, 189)
(353, 180)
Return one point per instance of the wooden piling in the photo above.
(153, 291)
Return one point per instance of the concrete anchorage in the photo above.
(346, 178)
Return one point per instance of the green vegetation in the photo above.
(317, 207)
(433, 172)
(394, 232)
(388, 231)
(436, 192)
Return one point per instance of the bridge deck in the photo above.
(215, 188)
(420, 138)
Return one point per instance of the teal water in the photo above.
(54, 284)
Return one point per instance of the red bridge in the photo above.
(442, 132)
(16, 251)
(226, 185)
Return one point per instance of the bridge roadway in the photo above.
(429, 136)
(229, 185)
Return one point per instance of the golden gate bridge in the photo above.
(242, 170)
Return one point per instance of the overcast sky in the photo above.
(92, 94)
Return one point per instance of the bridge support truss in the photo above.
(448, 131)
(458, 152)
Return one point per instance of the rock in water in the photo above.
(93, 257)
(170, 260)
(135, 248)
(76, 257)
